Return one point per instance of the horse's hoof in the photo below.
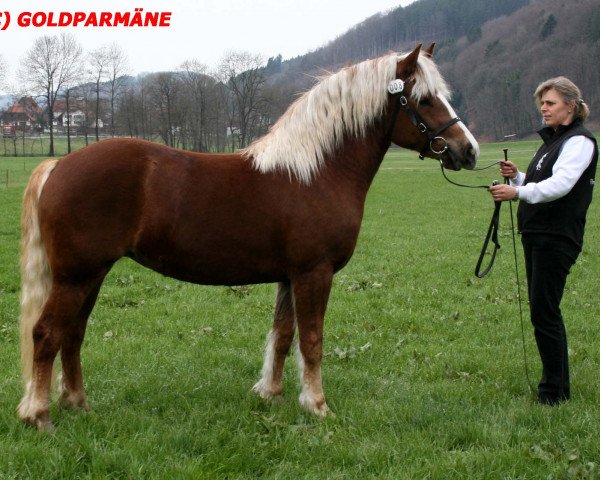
(40, 421)
(45, 426)
(267, 393)
(74, 402)
(318, 407)
(34, 414)
(323, 411)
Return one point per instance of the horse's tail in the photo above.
(36, 279)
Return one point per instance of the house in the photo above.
(76, 114)
(22, 115)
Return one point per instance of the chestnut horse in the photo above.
(287, 209)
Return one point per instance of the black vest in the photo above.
(565, 216)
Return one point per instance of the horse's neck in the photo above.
(357, 160)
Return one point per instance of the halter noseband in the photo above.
(396, 87)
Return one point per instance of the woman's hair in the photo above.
(568, 91)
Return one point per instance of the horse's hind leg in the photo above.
(71, 390)
(279, 341)
(58, 320)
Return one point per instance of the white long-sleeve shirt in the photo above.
(575, 156)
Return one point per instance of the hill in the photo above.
(492, 53)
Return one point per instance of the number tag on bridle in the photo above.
(395, 86)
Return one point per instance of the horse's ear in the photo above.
(429, 51)
(408, 66)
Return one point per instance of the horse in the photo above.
(287, 209)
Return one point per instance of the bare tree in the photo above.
(70, 87)
(48, 67)
(242, 74)
(98, 62)
(196, 84)
(164, 88)
(218, 116)
(136, 108)
(116, 69)
(128, 112)
(132, 109)
(67, 115)
(85, 92)
(3, 71)
(144, 109)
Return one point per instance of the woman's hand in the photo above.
(508, 169)
(501, 193)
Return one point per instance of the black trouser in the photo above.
(548, 261)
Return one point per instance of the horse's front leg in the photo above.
(311, 293)
(279, 341)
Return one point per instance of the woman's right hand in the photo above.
(508, 169)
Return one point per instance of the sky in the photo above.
(202, 30)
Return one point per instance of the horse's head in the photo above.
(425, 121)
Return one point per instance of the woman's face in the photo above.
(555, 110)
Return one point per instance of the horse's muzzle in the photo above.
(466, 157)
(470, 157)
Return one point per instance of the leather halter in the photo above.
(396, 87)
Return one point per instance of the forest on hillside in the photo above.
(493, 54)
(497, 75)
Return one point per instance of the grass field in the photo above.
(14, 170)
(37, 145)
(423, 364)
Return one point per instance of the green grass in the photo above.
(423, 362)
(37, 145)
(14, 171)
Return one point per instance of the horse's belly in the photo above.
(221, 267)
(243, 260)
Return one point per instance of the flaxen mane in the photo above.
(346, 102)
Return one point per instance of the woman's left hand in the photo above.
(501, 193)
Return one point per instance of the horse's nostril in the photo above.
(471, 155)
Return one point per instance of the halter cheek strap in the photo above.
(396, 87)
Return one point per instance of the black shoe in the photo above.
(550, 400)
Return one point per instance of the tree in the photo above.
(548, 27)
(134, 110)
(128, 112)
(85, 92)
(196, 86)
(50, 65)
(116, 69)
(3, 71)
(98, 61)
(165, 89)
(242, 74)
(274, 65)
(68, 95)
(70, 86)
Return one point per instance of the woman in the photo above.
(554, 197)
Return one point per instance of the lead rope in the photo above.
(493, 235)
(514, 241)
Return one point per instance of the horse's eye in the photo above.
(425, 102)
